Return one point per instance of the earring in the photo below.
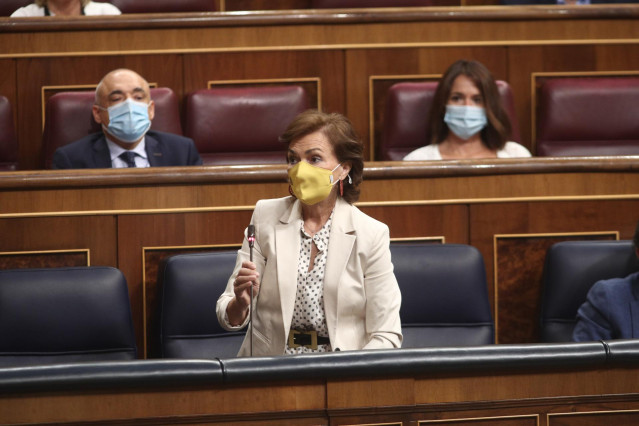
(350, 181)
(341, 187)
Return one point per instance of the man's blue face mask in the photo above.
(128, 120)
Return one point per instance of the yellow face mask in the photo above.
(311, 184)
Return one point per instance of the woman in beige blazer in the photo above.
(321, 274)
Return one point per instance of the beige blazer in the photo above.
(361, 295)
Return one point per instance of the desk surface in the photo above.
(462, 386)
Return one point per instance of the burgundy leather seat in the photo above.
(337, 4)
(405, 126)
(242, 125)
(588, 116)
(7, 7)
(164, 6)
(69, 118)
(8, 141)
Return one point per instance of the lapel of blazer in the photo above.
(287, 247)
(101, 153)
(634, 306)
(340, 245)
(153, 151)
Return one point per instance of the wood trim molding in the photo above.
(384, 170)
(438, 239)
(321, 17)
(457, 420)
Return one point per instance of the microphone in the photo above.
(250, 236)
(251, 239)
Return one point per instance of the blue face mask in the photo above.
(465, 120)
(128, 120)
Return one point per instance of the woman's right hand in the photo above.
(246, 277)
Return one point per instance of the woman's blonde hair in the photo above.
(44, 2)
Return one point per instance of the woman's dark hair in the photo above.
(635, 238)
(340, 133)
(497, 131)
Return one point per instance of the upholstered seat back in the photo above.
(8, 141)
(164, 6)
(405, 126)
(242, 125)
(444, 295)
(7, 7)
(336, 4)
(69, 118)
(588, 116)
(190, 284)
(62, 315)
(570, 269)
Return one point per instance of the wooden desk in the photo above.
(511, 210)
(346, 59)
(563, 397)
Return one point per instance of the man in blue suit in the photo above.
(611, 310)
(124, 108)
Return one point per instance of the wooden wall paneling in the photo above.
(8, 79)
(34, 73)
(412, 221)
(145, 197)
(263, 404)
(395, 418)
(354, 393)
(506, 415)
(45, 259)
(524, 420)
(519, 262)
(236, 5)
(8, 87)
(480, 2)
(327, 65)
(70, 235)
(563, 385)
(361, 65)
(139, 231)
(565, 398)
(523, 61)
(595, 418)
(542, 217)
(452, 189)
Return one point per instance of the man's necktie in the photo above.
(129, 158)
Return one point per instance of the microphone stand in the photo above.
(251, 241)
